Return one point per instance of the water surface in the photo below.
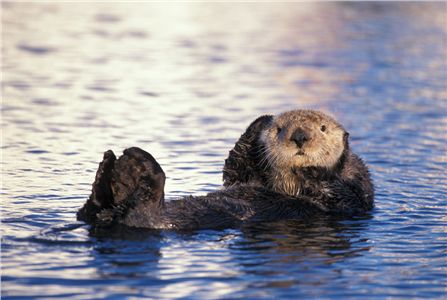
(183, 81)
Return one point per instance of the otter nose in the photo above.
(299, 137)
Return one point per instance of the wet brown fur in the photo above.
(267, 176)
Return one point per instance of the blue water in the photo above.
(183, 81)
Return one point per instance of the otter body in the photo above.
(291, 166)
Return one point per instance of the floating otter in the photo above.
(291, 166)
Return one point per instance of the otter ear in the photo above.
(346, 139)
(242, 164)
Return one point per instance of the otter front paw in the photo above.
(245, 162)
(101, 191)
(131, 186)
(136, 169)
(137, 185)
(101, 196)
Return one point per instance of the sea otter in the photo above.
(291, 166)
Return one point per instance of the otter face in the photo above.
(303, 138)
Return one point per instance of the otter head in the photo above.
(301, 139)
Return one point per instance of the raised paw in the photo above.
(101, 196)
(101, 191)
(138, 190)
(126, 188)
(136, 170)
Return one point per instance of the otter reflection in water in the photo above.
(291, 166)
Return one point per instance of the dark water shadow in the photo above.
(330, 237)
(124, 252)
(257, 248)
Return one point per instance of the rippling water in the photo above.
(183, 81)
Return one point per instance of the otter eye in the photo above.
(278, 130)
(323, 128)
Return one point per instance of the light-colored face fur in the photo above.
(319, 144)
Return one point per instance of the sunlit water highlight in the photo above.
(183, 81)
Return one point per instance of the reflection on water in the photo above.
(183, 81)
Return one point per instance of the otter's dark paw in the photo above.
(101, 196)
(134, 170)
(101, 191)
(245, 162)
(110, 216)
(135, 181)
(137, 184)
(105, 218)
